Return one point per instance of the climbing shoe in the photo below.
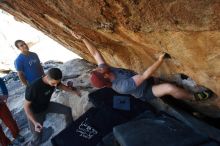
(203, 95)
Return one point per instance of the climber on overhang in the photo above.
(142, 86)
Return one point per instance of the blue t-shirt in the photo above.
(124, 83)
(30, 66)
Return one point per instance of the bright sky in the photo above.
(12, 30)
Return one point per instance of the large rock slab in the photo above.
(130, 32)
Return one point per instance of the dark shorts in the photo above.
(148, 93)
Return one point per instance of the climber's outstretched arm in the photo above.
(94, 52)
(140, 78)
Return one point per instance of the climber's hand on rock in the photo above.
(77, 36)
(161, 57)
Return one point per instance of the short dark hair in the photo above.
(18, 41)
(55, 73)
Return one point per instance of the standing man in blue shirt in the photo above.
(27, 64)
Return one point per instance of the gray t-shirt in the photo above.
(125, 84)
